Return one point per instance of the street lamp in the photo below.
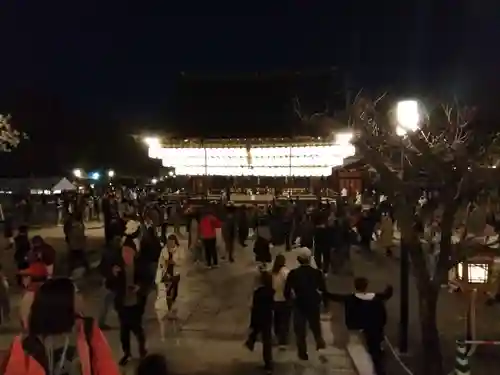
(408, 120)
(111, 173)
(152, 141)
(77, 173)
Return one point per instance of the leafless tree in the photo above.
(449, 154)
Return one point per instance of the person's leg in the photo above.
(252, 337)
(124, 316)
(213, 251)
(138, 330)
(208, 255)
(373, 345)
(288, 237)
(299, 326)
(267, 347)
(318, 257)
(277, 318)
(106, 305)
(313, 319)
(326, 260)
(229, 245)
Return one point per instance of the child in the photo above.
(167, 281)
(4, 297)
(261, 319)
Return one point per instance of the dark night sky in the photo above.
(80, 75)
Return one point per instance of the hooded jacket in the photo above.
(364, 311)
(27, 355)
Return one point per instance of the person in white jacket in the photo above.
(282, 309)
(167, 280)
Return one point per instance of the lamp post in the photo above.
(408, 120)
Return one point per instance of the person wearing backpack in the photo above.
(65, 343)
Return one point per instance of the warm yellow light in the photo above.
(78, 173)
(477, 273)
(407, 117)
(152, 141)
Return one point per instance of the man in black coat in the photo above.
(305, 287)
(130, 284)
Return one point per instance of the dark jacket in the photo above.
(262, 307)
(262, 251)
(305, 286)
(110, 257)
(323, 238)
(22, 248)
(150, 245)
(118, 283)
(364, 311)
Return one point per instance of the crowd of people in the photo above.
(141, 259)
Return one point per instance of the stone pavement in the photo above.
(214, 307)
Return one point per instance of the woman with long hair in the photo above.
(282, 308)
(167, 280)
(64, 342)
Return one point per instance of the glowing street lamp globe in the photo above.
(78, 173)
(408, 117)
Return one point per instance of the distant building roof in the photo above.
(19, 185)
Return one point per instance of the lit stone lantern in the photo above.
(475, 273)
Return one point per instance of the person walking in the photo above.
(130, 282)
(208, 233)
(229, 233)
(282, 310)
(305, 288)
(167, 281)
(261, 319)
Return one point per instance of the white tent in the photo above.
(63, 185)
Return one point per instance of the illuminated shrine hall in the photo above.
(269, 157)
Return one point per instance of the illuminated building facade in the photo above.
(301, 157)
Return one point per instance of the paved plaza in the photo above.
(213, 308)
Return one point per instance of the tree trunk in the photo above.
(432, 360)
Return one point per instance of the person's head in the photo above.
(152, 364)
(304, 256)
(279, 263)
(53, 309)
(172, 241)
(361, 284)
(37, 241)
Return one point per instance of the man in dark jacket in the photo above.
(130, 284)
(261, 319)
(305, 286)
(323, 244)
(229, 233)
(366, 312)
(110, 257)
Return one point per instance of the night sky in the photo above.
(81, 76)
